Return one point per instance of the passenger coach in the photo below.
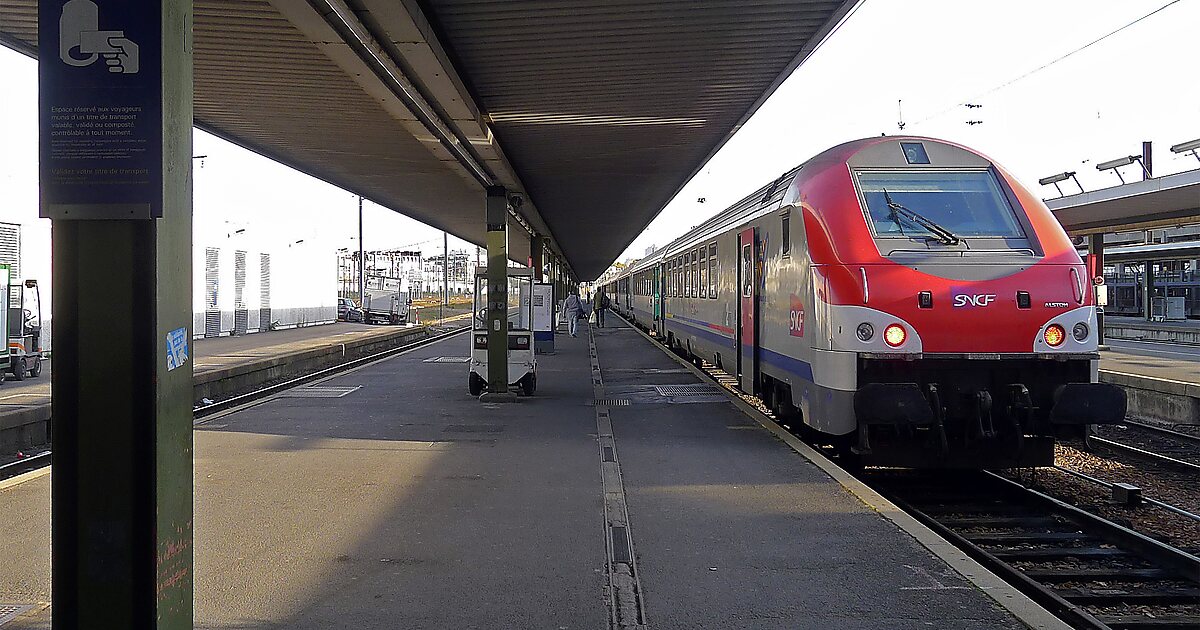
(903, 298)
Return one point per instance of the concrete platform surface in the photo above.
(1154, 359)
(213, 353)
(387, 497)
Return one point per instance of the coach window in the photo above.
(712, 271)
(687, 275)
(683, 279)
(691, 258)
(787, 234)
(678, 279)
(695, 276)
(675, 279)
(703, 272)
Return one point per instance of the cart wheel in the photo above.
(36, 370)
(529, 384)
(475, 384)
(19, 369)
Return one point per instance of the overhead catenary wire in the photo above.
(1029, 73)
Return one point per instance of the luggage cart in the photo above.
(522, 365)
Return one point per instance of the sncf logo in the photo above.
(982, 299)
(796, 317)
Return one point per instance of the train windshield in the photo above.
(964, 203)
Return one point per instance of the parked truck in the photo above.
(385, 306)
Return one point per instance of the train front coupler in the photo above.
(902, 406)
(1077, 405)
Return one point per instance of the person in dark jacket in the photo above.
(602, 304)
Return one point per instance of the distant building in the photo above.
(10, 248)
(242, 289)
(416, 274)
(651, 249)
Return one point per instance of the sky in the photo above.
(933, 55)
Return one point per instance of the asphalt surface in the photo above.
(733, 529)
(404, 502)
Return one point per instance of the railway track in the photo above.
(1148, 442)
(201, 412)
(1091, 572)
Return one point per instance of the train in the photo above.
(902, 299)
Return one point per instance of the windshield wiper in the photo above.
(943, 235)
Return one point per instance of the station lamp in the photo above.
(1115, 165)
(1061, 177)
(1188, 147)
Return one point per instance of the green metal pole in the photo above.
(497, 291)
(122, 484)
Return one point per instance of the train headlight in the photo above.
(865, 331)
(1054, 335)
(894, 335)
(1080, 331)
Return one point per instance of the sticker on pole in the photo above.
(177, 348)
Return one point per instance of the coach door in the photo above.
(659, 277)
(747, 311)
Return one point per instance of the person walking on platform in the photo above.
(573, 309)
(602, 304)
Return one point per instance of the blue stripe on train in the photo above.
(792, 365)
(788, 364)
(703, 331)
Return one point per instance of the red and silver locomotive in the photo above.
(904, 298)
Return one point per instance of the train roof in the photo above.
(771, 196)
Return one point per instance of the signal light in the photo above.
(1054, 335)
(894, 335)
(481, 342)
(1080, 331)
(865, 331)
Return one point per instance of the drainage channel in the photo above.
(626, 609)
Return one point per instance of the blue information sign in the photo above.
(100, 109)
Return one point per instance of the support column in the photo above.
(362, 262)
(537, 251)
(497, 295)
(122, 255)
(1148, 288)
(1096, 249)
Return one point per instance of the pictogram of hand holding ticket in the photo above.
(79, 33)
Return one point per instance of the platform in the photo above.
(1161, 380)
(1186, 331)
(222, 366)
(388, 497)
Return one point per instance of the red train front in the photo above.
(968, 312)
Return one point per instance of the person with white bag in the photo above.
(574, 310)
